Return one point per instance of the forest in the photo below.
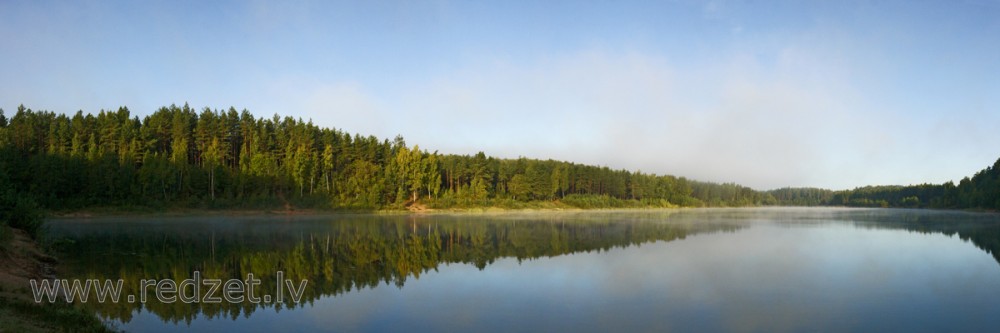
(981, 192)
(178, 157)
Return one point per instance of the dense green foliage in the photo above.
(178, 157)
(802, 196)
(982, 191)
(19, 212)
(16, 210)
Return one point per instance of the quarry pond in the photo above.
(739, 270)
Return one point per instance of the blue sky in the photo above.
(768, 94)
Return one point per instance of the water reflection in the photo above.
(336, 254)
(741, 269)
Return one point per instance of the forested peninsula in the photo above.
(179, 157)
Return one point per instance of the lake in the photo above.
(738, 270)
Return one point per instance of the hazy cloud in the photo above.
(792, 116)
(729, 122)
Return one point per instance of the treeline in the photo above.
(180, 157)
(982, 191)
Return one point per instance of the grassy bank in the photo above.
(20, 261)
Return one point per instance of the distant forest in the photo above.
(179, 157)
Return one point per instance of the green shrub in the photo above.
(21, 213)
(598, 201)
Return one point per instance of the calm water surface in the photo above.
(768, 269)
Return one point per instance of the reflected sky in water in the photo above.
(761, 279)
(780, 270)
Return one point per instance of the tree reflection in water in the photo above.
(341, 253)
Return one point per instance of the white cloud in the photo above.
(559, 107)
(769, 116)
(735, 121)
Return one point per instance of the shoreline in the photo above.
(86, 214)
(21, 260)
(187, 212)
(227, 212)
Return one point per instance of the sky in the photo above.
(768, 94)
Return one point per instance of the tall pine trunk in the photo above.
(211, 180)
